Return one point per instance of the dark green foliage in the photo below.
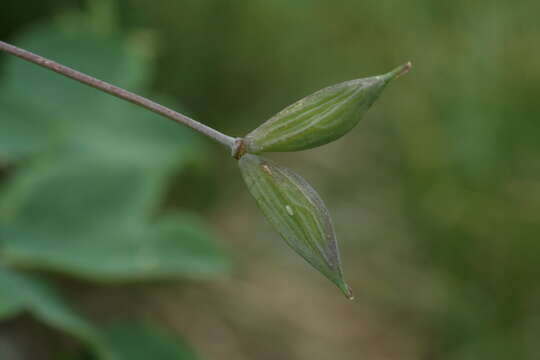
(142, 341)
(20, 292)
(93, 220)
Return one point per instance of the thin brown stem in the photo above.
(118, 92)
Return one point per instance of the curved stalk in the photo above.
(119, 93)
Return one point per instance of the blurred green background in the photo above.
(435, 195)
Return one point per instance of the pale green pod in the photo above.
(321, 117)
(297, 212)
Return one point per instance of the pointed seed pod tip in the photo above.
(401, 70)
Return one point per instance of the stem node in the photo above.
(238, 148)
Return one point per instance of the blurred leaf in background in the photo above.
(141, 341)
(85, 202)
(21, 292)
(91, 177)
(119, 341)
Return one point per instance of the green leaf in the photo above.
(124, 341)
(85, 201)
(321, 117)
(41, 111)
(10, 303)
(28, 293)
(142, 341)
(91, 220)
(135, 137)
(111, 58)
(78, 196)
(297, 212)
(24, 129)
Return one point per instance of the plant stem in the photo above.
(118, 92)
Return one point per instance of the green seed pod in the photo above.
(297, 212)
(321, 117)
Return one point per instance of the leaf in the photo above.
(297, 212)
(321, 117)
(98, 168)
(24, 130)
(91, 220)
(123, 341)
(78, 195)
(141, 341)
(35, 295)
(41, 111)
(112, 58)
(134, 137)
(55, 104)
